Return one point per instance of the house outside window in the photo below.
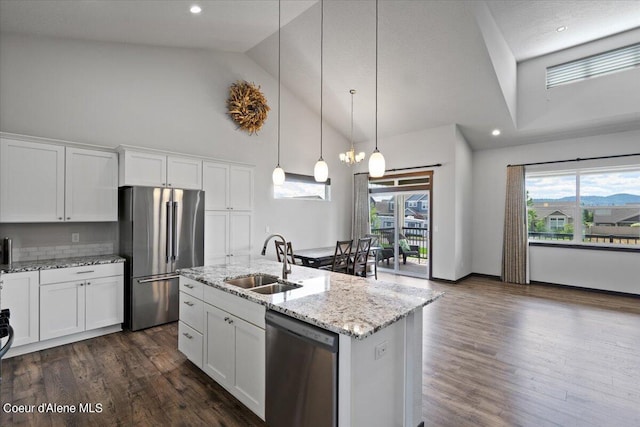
(590, 206)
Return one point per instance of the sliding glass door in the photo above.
(400, 220)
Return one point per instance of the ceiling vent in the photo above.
(609, 62)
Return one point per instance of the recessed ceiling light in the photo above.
(495, 132)
(561, 29)
(195, 9)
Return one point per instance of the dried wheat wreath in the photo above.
(247, 106)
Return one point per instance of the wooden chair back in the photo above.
(361, 257)
(342, 256)
(280, 252)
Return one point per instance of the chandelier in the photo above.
(350, 157)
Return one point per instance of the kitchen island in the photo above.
(379, 325)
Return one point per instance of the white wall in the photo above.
(174, 99)
(451, 190)
(574, 266)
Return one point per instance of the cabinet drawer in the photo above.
(191, 287)
(246, 310)
(191, 311)
(59, 275)
(190, 343)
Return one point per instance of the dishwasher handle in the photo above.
(312, 334)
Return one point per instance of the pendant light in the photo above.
(321, 170)
(376, 160)
(350, 157)
(278, 176)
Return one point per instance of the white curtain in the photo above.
(515, 245)
(361, 225)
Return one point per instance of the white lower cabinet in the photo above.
(20, 295)
(229, 349)
(62, 309)
(93, 298)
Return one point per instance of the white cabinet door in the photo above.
(240, 188)
(20, 294)
(215, 183)
(91, 185)
(146, 169)
(62, 309)
(184, 173)
(218, 361)
(239, 233)
(250, 373)
(31, 182)
(104, 302)
(216, 237)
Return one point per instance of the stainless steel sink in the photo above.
(249, 282)
(275, 288)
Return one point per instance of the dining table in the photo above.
(321, 257)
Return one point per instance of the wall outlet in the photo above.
(381, 350)
(75, 237)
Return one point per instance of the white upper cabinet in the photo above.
(227, 187)
(31, 182)
(91, 192)
(159, 170)
(37, 186)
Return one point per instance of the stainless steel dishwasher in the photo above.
(302, 374)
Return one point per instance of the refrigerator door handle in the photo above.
(174, 225)
(169, 231)
(159, 279)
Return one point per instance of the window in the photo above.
(302, 187)
(596, 65)
(412, 204)
(585, 206)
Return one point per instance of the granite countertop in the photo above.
(46, 264)
(340, 303)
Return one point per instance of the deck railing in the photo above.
(415, 237)
(588, 238)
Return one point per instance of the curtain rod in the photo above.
(435, 165)
(575, 160)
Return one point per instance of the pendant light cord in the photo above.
(352, 91)
(376, 75)
(321, 67)
(279, 67)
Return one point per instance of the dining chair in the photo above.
(280, 252)
(374, 255)
(361, 257)
(342, 256)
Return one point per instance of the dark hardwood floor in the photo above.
(494, 354)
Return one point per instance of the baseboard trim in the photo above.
(582, 288)
(54, 342)
(436, 279)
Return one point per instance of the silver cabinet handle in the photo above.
(81, 284)
(60, 218)
(84, 271)
(88, 283)
(187, 335)
(189, 286)
(230, 321)
(189, 303)
(226, 319)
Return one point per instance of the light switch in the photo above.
(75, 237)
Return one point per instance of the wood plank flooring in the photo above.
(494, 355)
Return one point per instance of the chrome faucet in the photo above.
(286, 268)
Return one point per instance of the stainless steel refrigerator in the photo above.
(161, 230)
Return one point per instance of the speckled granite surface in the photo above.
(18, 267)
(347, 305)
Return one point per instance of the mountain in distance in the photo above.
(612, 200)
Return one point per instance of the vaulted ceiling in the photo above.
(435, 62)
